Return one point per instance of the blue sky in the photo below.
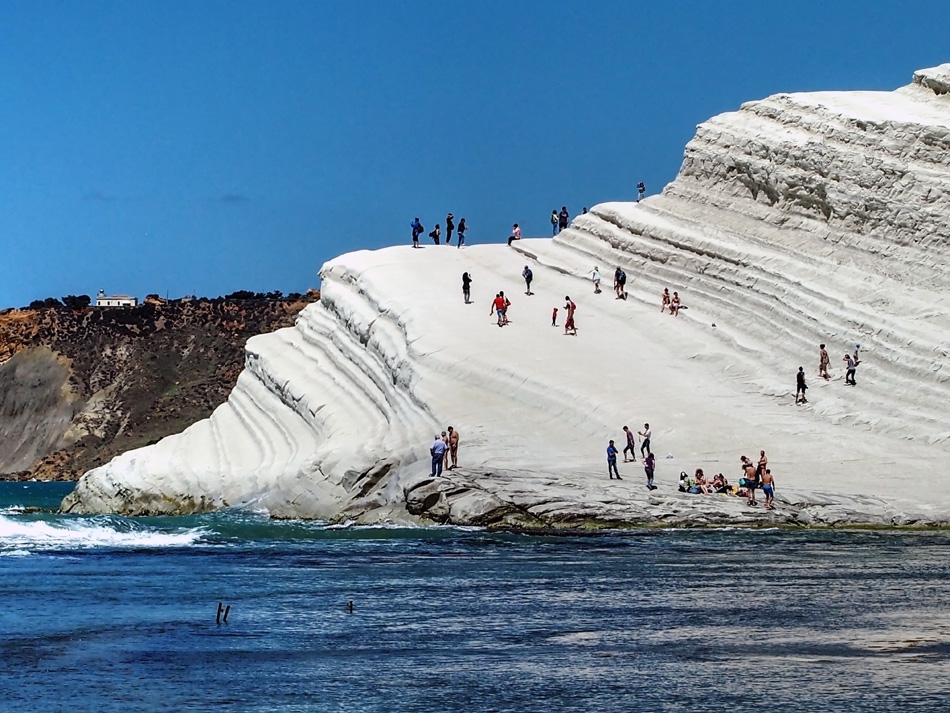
(207, 147)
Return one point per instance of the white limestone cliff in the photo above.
(799, 219)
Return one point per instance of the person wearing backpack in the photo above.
(436, 234)
(554, 223)
(416, 231)
(528, 276)
(620, 281)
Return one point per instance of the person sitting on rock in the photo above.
(701, 482)
(675, 304)
(515, 234)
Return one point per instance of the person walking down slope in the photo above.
(515, 234)
(437, 451)
(467, 287)
(461, 231)
(649, 464)
(569, 322)
(563, 218)
(823, 362)
(528, 276)
(436, 234)
(554, 223)
(612, 461)
(449, 227)
(849, 371)
(416, 231)
(800, 386)
(620, 283)
(595, 278)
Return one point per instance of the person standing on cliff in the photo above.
(768, 489)
(454, 448)
(641, 191)
(449, 227)
(436, 234)
(528, 276)
(563, 218)
(649, 465)
(646, 434)
(823, 362)
(467, 287)
(631, 445)
(612, 461)
(437, 451)
(801, 387)
(461, 231)
(416, 231)
(554, 224)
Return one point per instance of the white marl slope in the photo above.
(799, 219)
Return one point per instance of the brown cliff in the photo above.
(78, 387)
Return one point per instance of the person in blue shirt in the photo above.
(416, 231)
(612, 461)
(437, 451)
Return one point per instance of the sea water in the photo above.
(117, 614)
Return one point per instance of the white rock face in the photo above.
(799, 219)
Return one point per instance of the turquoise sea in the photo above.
(115, 614)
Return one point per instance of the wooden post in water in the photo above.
(217, 619)
(227, 611)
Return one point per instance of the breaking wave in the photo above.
(18, 536)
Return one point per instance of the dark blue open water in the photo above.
(110, 614)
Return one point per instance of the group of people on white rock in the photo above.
(851, 364)
(754, 476)
(436, 233)
(649, 461)
(445, 451)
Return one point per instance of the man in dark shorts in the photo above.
(454, 448)
(801, 386)
(528, 276)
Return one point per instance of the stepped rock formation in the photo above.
(799, 219)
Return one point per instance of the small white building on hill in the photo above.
(104, 300)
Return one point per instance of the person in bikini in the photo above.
(675, 304)
(665, 299)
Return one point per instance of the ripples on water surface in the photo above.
(110, 614)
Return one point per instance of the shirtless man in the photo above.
(569, 323)
(665, 299)
(768, 487)
(445, 453)
(454, 447)
(748, 471)
(823, 362)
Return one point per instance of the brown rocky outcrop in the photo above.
(78, 387)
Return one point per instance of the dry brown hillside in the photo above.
(78, 387)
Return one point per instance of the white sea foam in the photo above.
(17, 535)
